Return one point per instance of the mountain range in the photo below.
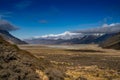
(70, 38)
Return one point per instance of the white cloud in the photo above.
(105, 28)
(105, 25)
(7, 26)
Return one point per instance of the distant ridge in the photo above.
(80, 39)
(112, 42)
(10, 38)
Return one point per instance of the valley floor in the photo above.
(80, 62)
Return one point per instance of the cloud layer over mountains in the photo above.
(7, 26)
(111, 28)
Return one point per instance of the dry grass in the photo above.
(80, 62)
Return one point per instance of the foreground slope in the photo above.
(17, 64)
(14, 65)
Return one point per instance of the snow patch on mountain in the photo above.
(66, 35)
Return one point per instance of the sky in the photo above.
(41, 17)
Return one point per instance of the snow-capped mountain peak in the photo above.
(66, 35)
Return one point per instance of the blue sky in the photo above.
(40, 17)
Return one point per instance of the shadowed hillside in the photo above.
(112, 42)
(10, 38)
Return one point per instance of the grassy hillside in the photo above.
(17, 64)
(14, 65)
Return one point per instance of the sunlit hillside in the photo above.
(80, 62)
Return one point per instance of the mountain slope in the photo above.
(8, 37)
(112, 42)
(16, 64)
(102, 38)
